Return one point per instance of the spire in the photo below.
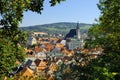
(78, 31)
(77, 25)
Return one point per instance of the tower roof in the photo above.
(71, 34)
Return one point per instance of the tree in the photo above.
(11, 38)
(107, 36)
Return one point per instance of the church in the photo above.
(74, 38)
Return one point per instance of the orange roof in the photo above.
(28, 50)
(43, 42)
(41, 65)
(38, 49)
(49, 47)
(39, 62)
(53, 67)
(26, 72)
(67, 52)
(64, 51)
(54, 39)
(59, 45)
(71, 53)
(85, 51)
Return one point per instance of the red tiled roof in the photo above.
(38, 49)
(49, 47)
(59, 45)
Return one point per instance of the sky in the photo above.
(82, 11)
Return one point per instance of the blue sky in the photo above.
(84, 11)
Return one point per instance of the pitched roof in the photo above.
(64, 51)
(67, 52)
(26, 72)
(38, 49)
(71, 34)
(53, 67)
(59, 45)
(49, 47)
(37, 62)
(54, 39)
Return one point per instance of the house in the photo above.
(26, 73)
(29, 58)
(44, 42)
(31, 41)
(33, 66)
(27, 63)
(38, 34)
(74, 38)
(49, 47)
(63, 42)
(71, 53)
(59, 45)
(53, 67)
(55, 53)
(41, 56)
(40, 65)
(64, 51)
(29, 53)
(38, 49)
(74, 43)
(67, 52)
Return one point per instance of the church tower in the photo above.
(78, 32)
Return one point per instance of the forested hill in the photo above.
(61, 27)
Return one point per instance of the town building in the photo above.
(74, 38)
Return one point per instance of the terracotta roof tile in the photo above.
(38, 49)
(53, 67)
(54, 39)
(26, 72)
(59, 45)
(49, 47)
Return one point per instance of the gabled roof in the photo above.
(54, 39)
(53, 67)
(26, 72)
(38, 49)
(43, 64)
(64, 51)
(49, 47)
(37, 62)
(67, 52)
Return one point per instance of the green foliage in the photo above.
(106, 34)
(11, 50)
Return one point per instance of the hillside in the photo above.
(61, 27)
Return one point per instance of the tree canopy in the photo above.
(106, 34)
